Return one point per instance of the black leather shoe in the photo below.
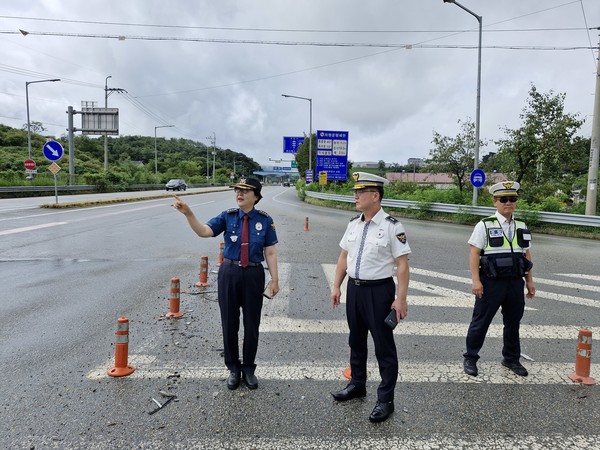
(349, 392)
(516, 367)
(250, 380)
(470, 366)
(233, 380)
(382, 411)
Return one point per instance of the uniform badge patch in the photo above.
(401, 237)
(495, 232)
(273, 225)
(258, 226)
(233, 238)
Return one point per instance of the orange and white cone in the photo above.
(203, 281)
(583, 358)
(174, 300)
(306, 224)
(121, 367)
(221, 248)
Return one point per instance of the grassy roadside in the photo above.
(84, 204)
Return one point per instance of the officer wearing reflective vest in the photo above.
(500, 263)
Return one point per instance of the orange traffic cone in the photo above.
(174, 300)
(306, 224)
(121, 367)
(583, 358)
(203, 281)
(347, 373)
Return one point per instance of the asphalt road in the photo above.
(67, 275)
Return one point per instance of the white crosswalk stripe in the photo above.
(276, 320)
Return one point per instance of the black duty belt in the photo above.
(356, 282)
(233, 262)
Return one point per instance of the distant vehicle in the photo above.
(286, 184)
(176, 184)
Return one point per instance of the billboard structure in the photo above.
(99, 121)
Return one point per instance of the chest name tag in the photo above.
(495, 232)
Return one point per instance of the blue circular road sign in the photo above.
(53, 151)
(478, 178)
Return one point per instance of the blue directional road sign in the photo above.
(291, 143)
(478, 178)
(53, 151)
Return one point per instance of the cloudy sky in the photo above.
(390, 72)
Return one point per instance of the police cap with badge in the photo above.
(249, 184)
(364, 180)
(505, 189)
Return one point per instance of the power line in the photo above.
(281, 43)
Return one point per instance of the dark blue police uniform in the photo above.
(242, 287)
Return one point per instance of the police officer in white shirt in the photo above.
(500, 263)
(374, 248)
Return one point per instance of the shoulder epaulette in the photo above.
(260, 211)
(232, 210)
(354, 218)
(392, 219)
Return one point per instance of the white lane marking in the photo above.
(31, 228)
(585, 277)
(538, 294)
(566, 284)
(448, 298)
(462, 441)
(407, 327)
(409, 372)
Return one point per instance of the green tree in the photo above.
(302, 155)
(454, 155)
(34, 127)
(539, 149)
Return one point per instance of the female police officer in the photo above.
(250, 238)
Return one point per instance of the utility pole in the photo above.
(592, 187)
(107, 92)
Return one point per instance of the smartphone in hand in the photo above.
(391, 320)
(268, 293)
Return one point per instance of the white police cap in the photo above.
(364, 180)
(505, 188)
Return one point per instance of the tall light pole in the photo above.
(27, 83)
(213, 140)
(477, 109)
(107, 92)
(309, 128)
(156, 150)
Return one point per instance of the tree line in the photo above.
(130, 160)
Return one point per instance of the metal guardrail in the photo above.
(550, 217)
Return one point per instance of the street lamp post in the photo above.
(213, 140)
(477, 108)
(27, 83)
(156, 150)
(309, 125)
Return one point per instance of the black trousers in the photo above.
(509, 294)
(240, 288)
(366, 309)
